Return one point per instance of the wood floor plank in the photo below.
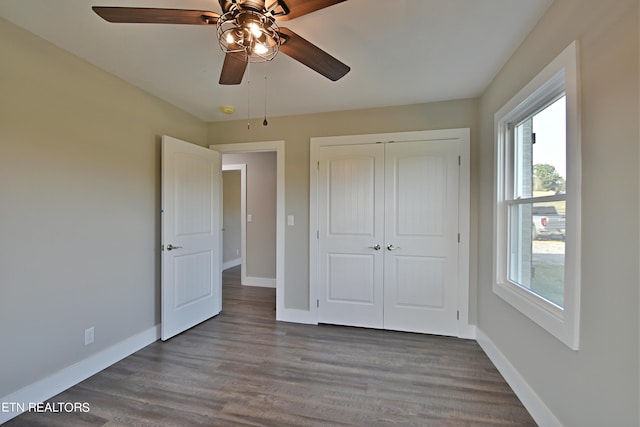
(242, 368)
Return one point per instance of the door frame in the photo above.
(278, 148)
(242, 168)
(465, 329)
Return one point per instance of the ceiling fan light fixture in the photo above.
(249, 33)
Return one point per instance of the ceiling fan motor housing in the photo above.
(255, 5)
(276, 9)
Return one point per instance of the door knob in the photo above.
(170, 247)
(393, 248)
(375, 248)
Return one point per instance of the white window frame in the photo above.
(561, 75)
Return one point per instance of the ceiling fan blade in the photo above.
(303, 7)
(311, 55)
(233, 69)
(144, 15)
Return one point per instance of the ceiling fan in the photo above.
(247, 32)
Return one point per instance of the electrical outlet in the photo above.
(88, 335)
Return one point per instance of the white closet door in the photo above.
(421, 237)
(351, 221)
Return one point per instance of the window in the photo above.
(537, 210)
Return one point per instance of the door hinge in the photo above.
(162, 247)
(458, 315)
(458, 237)
(459, 160)
(317, 303)
(318, 165)
(533, 137)
(317, 234)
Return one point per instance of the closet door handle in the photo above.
(170, 247)
(393, 248)
(375, 248)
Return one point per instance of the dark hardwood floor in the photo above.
(242, 368)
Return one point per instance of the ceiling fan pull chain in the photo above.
(248, 95)
(265, 122)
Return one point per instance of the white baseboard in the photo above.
(467, 332)
(296, 316)
(263, 282)
(233, 263)
(78, 372)
(536, 407)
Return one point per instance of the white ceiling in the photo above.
(400, 52)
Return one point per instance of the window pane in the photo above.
(549, 149)
(523, 161)
(537, 248)
(540, 152)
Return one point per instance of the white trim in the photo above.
(463, 135)
(242, 167)
(314, 226)
(560, 75)
(232, 263)
(539, 411)
(278, 147)
(67, 377)
(261, 282)
(465, 329)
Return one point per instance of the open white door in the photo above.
(191, 243)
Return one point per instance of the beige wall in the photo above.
(231, 215)
(79, 207)
(597, 385)
(261, 205)
(296, 131)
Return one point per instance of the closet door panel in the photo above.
(421, 216)
(351, 222)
